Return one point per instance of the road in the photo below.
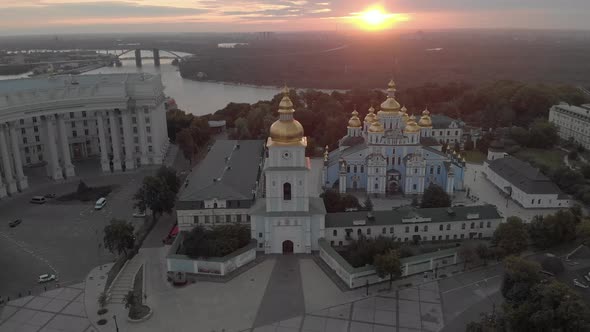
(61, 238)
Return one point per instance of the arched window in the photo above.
(415, 228)
(215, 205)
(440, 228)
(287, 191)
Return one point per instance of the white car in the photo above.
(139, 214)
(579, 284)
(46, 278)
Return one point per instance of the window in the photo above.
(335, 233)
(438, 170)
(71, 115)
(462, 236)
(147, 119)
(440, 237)
(134, 120)
(489, 224)
(149, 139)
(22, 121)
(384, 230)
(414, 186)
(84, 114)
(259, 234)
(456, 132)
(347, 169)
(539, 201)
(472, 225)
(287, 191)
(455, 236)
(148, 129)
(86, 132)
(359, 232)
(415, 229)
(376, 185)
(448, 227)
(28, 160)
(260, 245)
(23, 131)
(340, 243)
(446, 237)
(431, 169)
(433, 238)
(390, 230)
(24, 140)
(73, 124)
(362, 169)
(207, 220)
(481, 224)
(355, 169)
(26, 149)
(227, 217)
(426, 228)
(135, 130)
(150, 148)
(463, 226)
(415, 171)
(74, 133)
(368, 231)
(331, 243)
(440, 228)
(36, 129)
(136, 140)
(37, 138)
(376, 170)
(533, 201)
(85, 123)
(195, 219)
(407, 229)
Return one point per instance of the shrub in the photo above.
(101, 322)
(363, 251)
(216, 242)
(102, 311)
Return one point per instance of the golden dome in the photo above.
(390, 105)
(354, 121)
(411, 126)
(376, 126)
(425, 120)
(286, 130)
(370, 117)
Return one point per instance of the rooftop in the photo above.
(409, 215)
(584, 110)
(443, 121)
(523, 176)
(230, 171)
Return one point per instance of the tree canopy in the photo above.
(118, 236)
(216, 242)
(388, 264)
(156, 195)
(434, 197)
(511, 236)
(554, 229)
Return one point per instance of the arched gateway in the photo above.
(287, 247)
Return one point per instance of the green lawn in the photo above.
(552, 158)
(474, 156)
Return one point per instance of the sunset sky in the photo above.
(63, 16)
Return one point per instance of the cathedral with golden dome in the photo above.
(391, 151)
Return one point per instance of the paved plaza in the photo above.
(60, 309)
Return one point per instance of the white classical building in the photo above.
(573, 122)
(55, 120)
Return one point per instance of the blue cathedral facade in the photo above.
(392, 152)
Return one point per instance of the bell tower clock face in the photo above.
(286, 155)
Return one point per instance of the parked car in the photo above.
(46, 278)
(579, 284)
(139, 214)
(38, 200)
(100, 203)
(51, 195)
(14, 223)
(171, 235)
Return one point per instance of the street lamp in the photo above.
(116, 325)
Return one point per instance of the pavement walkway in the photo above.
(124, 281)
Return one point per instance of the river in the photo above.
(196, 97)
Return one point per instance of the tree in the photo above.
(520, 276)
(118, 236)
(483, 252)
(434, 196)
(337, 202)
(388, 264)
(156, 195)
(467, 253)
(554, 229)
(492, 322)
(184, 140)
(368, 204)
(130, 300)
(511, 236)
(169, 176)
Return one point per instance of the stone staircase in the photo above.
(124, 280)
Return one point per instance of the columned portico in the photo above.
(115, 141)
(102, 140)
(142, 137)
(53, 167)
(127, 140)
(65, 148)
(6, 164)
(21, 180)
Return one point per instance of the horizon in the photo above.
(34, 17)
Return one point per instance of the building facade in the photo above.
(391, 152)
(523, 183)
(410, 224)
(119, 118)
(573, 122)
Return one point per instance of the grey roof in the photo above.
(234, 164)
(316, 206)
(429, 141)
(523, 176)
(352, 141)
(442, 121)
(393, 217)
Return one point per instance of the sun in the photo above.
(376, 18)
